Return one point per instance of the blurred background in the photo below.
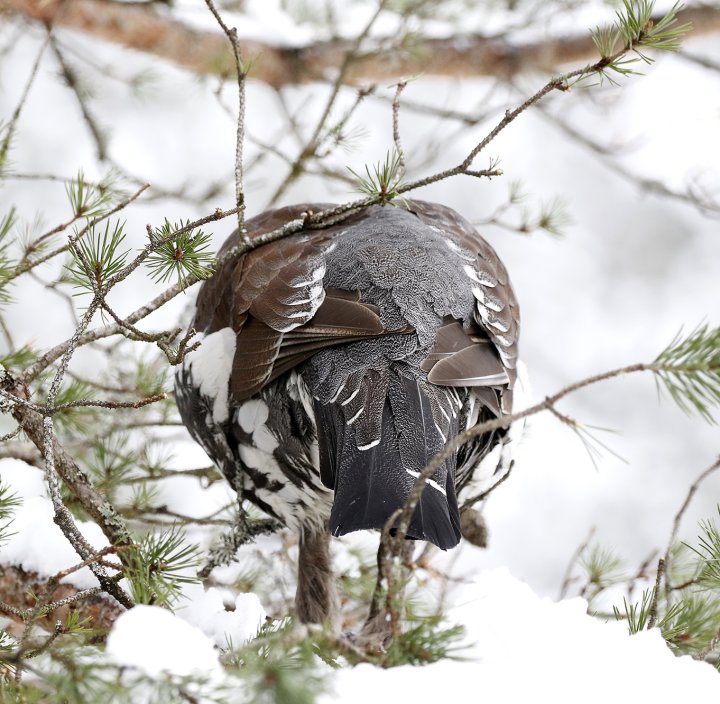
(606, 214)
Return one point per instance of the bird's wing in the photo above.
(275, 301)
(484, 354)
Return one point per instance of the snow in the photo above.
(206, 610)
(155, 641)
(36, 543)
(521, 648)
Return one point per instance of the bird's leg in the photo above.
(382, 622)
(316, 599)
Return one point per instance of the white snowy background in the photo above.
(632, 271)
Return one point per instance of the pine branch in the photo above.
(159, 564)
(689, 370)
(180, 253)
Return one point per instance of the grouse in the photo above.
(334, 363)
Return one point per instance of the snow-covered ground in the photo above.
(633, 270)
(517, 645)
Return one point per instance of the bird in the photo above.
(335, 362)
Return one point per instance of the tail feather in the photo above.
(371, 484)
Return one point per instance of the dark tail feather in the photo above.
(371, 484)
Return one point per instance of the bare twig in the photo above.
(72, 82)
(396, 126)
(12, 124)
(312, 144)
(469, 503)
(241, 73)
(667, 559)
(111, 404)
(85, 338)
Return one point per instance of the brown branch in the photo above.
(206, 52)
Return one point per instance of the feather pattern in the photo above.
(360, 349)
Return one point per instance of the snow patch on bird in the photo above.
(210, 366)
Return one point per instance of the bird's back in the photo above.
(337, 362)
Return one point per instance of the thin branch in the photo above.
(110, 404)
(85, 338)
(702, 201)
(312, 144)
(495, 424)
(73, 83)
(241, 73)
(667, 559)
(396, 126)
(59, 462)
(12, 124)
(469, 503)
(25, 265)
